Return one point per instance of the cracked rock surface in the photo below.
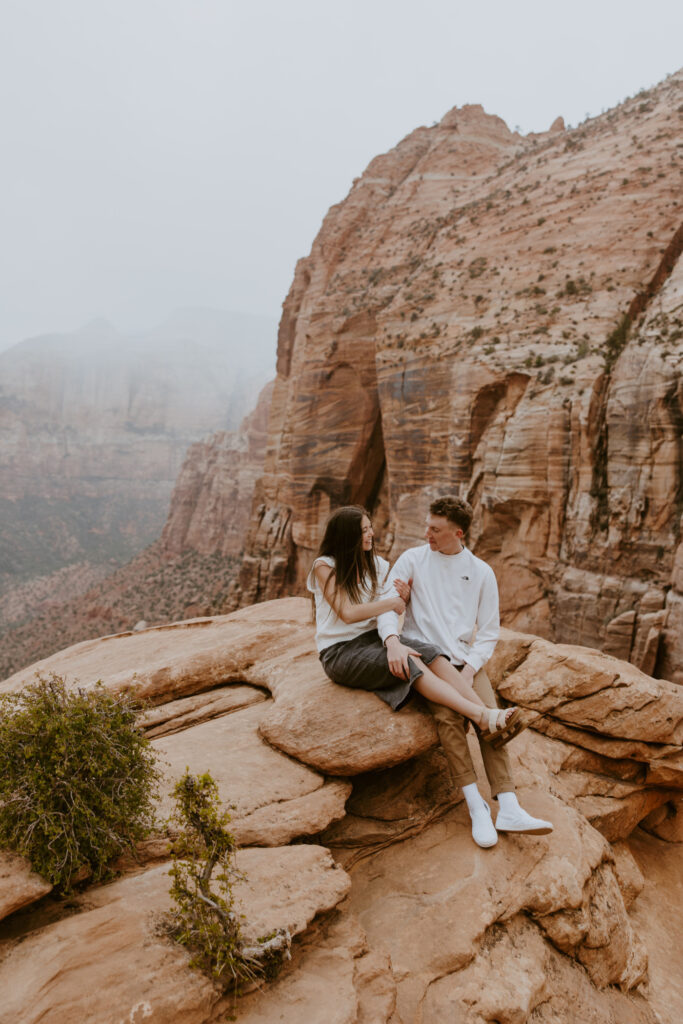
(362, 847)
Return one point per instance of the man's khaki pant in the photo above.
(451, 727)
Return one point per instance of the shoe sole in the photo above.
(526, 831)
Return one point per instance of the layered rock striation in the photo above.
(211, 501)
(408, 920)
(500, 316)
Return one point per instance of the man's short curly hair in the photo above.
(456, 510)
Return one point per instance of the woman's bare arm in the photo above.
(347, 611)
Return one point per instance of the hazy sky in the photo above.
(164, 153)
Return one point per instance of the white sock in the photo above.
(473, 797)
(508, 802)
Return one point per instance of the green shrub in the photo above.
(203, 920)
(77, 778)
(616, 342)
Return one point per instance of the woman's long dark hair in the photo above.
(355, 569)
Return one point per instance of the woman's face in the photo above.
(367, 533)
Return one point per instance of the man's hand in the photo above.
(397, 656)
(468, 674)
(404, 589)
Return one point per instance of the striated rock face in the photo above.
(211, 500)
(408, 921)
(501, 317)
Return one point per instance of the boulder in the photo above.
(19, 884)
(612, 733)
(272, 646)
(272, 798)
(109, 962)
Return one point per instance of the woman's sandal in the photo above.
(502, 725)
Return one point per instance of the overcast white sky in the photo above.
(165, 153)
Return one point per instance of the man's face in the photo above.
(443, 535)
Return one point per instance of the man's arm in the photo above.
(387, 624)
(488, 624)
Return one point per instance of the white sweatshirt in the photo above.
(330, 629)
(452, 595)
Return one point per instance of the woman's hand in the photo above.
(396, 604)
(404, 589)
(348, 611)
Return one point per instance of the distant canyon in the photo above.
(94, 428)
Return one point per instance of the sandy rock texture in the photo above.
(19, 885)
(359, 844)
(500, 316)
(612, 735)
(107, 963)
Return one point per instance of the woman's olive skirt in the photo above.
(362, 665)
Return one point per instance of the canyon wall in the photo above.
(211, 501)
(499, 316)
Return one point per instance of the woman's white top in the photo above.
(329, 628)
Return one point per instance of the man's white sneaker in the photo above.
(483, 831)
(519, 821)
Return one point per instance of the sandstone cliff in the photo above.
(211, 500)
(500, 316)
(408, 921)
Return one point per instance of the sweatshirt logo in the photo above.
(465, 578)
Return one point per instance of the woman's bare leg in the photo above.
(439, 691)
(460, 695)
(442, 668)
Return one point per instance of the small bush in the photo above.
(616, 342)
(77, 778)
(204, 920)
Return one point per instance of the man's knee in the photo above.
(481, 684)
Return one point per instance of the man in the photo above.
(452, 595)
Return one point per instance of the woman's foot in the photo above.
(501, 724)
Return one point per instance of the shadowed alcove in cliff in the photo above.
(345, 418)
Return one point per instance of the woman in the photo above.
(347, 581)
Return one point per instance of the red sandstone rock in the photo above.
(433, 927)
(107, 962)
(211, 500)
(19, 885)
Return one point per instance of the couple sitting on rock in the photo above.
(447, 594)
